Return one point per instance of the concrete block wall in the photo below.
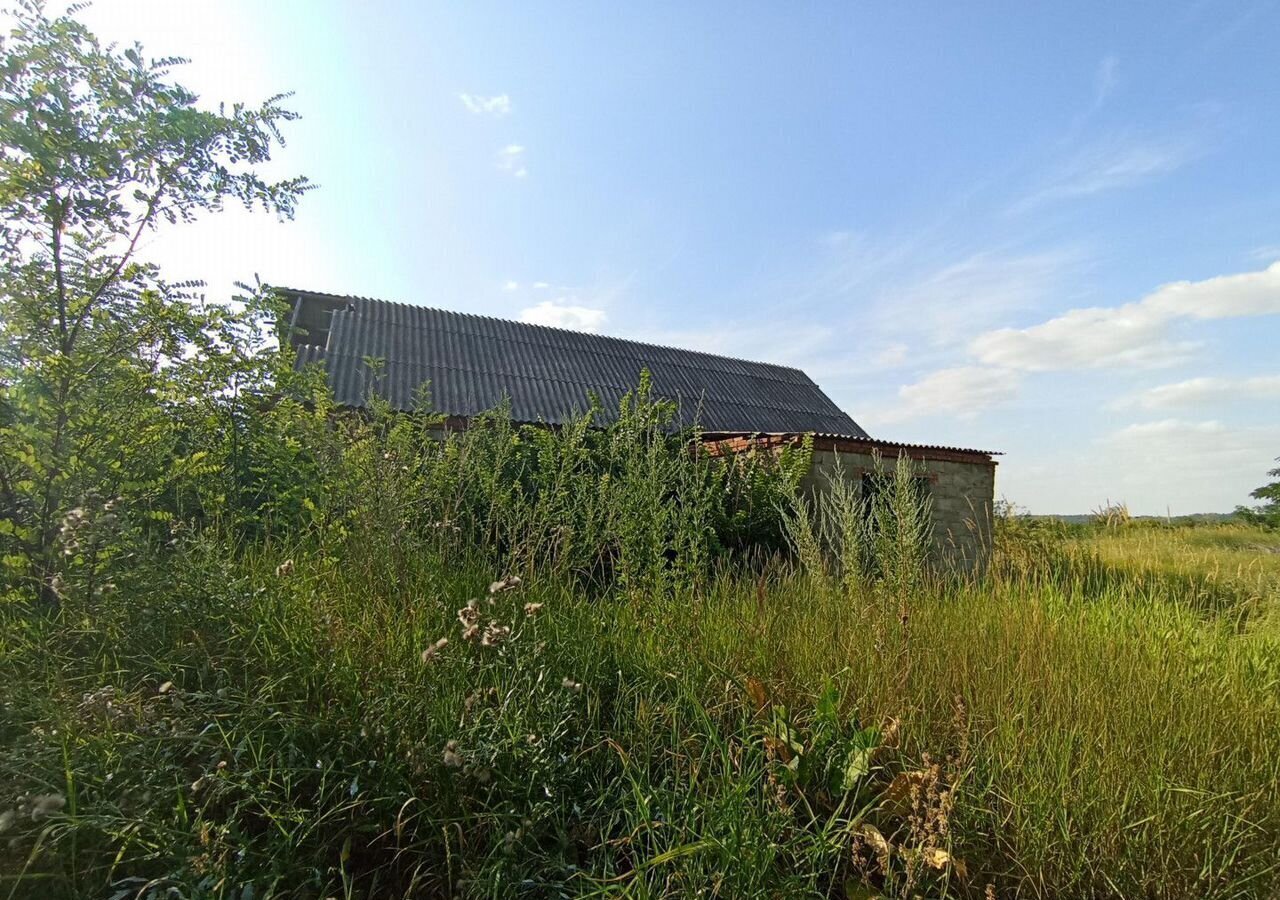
(962, 492)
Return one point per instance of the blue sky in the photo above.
(1048, 231)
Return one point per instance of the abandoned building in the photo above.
(472, 364)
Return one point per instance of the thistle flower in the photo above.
(434, 650)
(285, 568)
(508, 583)
(452, 758)
(532, 609)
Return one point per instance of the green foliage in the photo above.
(1268, 513)
(110, 376)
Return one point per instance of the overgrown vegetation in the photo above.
(252, 645)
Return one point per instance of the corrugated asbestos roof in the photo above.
(472, 362)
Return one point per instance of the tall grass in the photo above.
(655, 709)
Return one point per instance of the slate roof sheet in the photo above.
(470, 363)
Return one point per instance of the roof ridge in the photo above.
(604, 337)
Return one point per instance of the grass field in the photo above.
(1228, 559)
(1073, 727)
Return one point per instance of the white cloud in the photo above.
(511, 285)
(1205, 392)
(540, 285)
(497, 105)
(1132, 335)
(559, 314)
(1223, 297)
(961, 392)
(511, 161)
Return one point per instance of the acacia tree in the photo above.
(1269, 512)
(102, 361)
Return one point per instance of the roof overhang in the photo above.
(735, 442)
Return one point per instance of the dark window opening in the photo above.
(876, 485)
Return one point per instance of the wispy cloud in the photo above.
(807, 345)
(1204, 393)
(1104, 79)
(961, 298)
(1135, 334)
(1113, 163)
(1208, 450)
(960, 392)
(497, 105)
(562, 313)
(892, 356)
(511, 160)
(511, 285)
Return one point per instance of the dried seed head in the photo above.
(532, 609)
(452, 758)
(495, 634)
(570, 685)
(285, 568)
(434, 650)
